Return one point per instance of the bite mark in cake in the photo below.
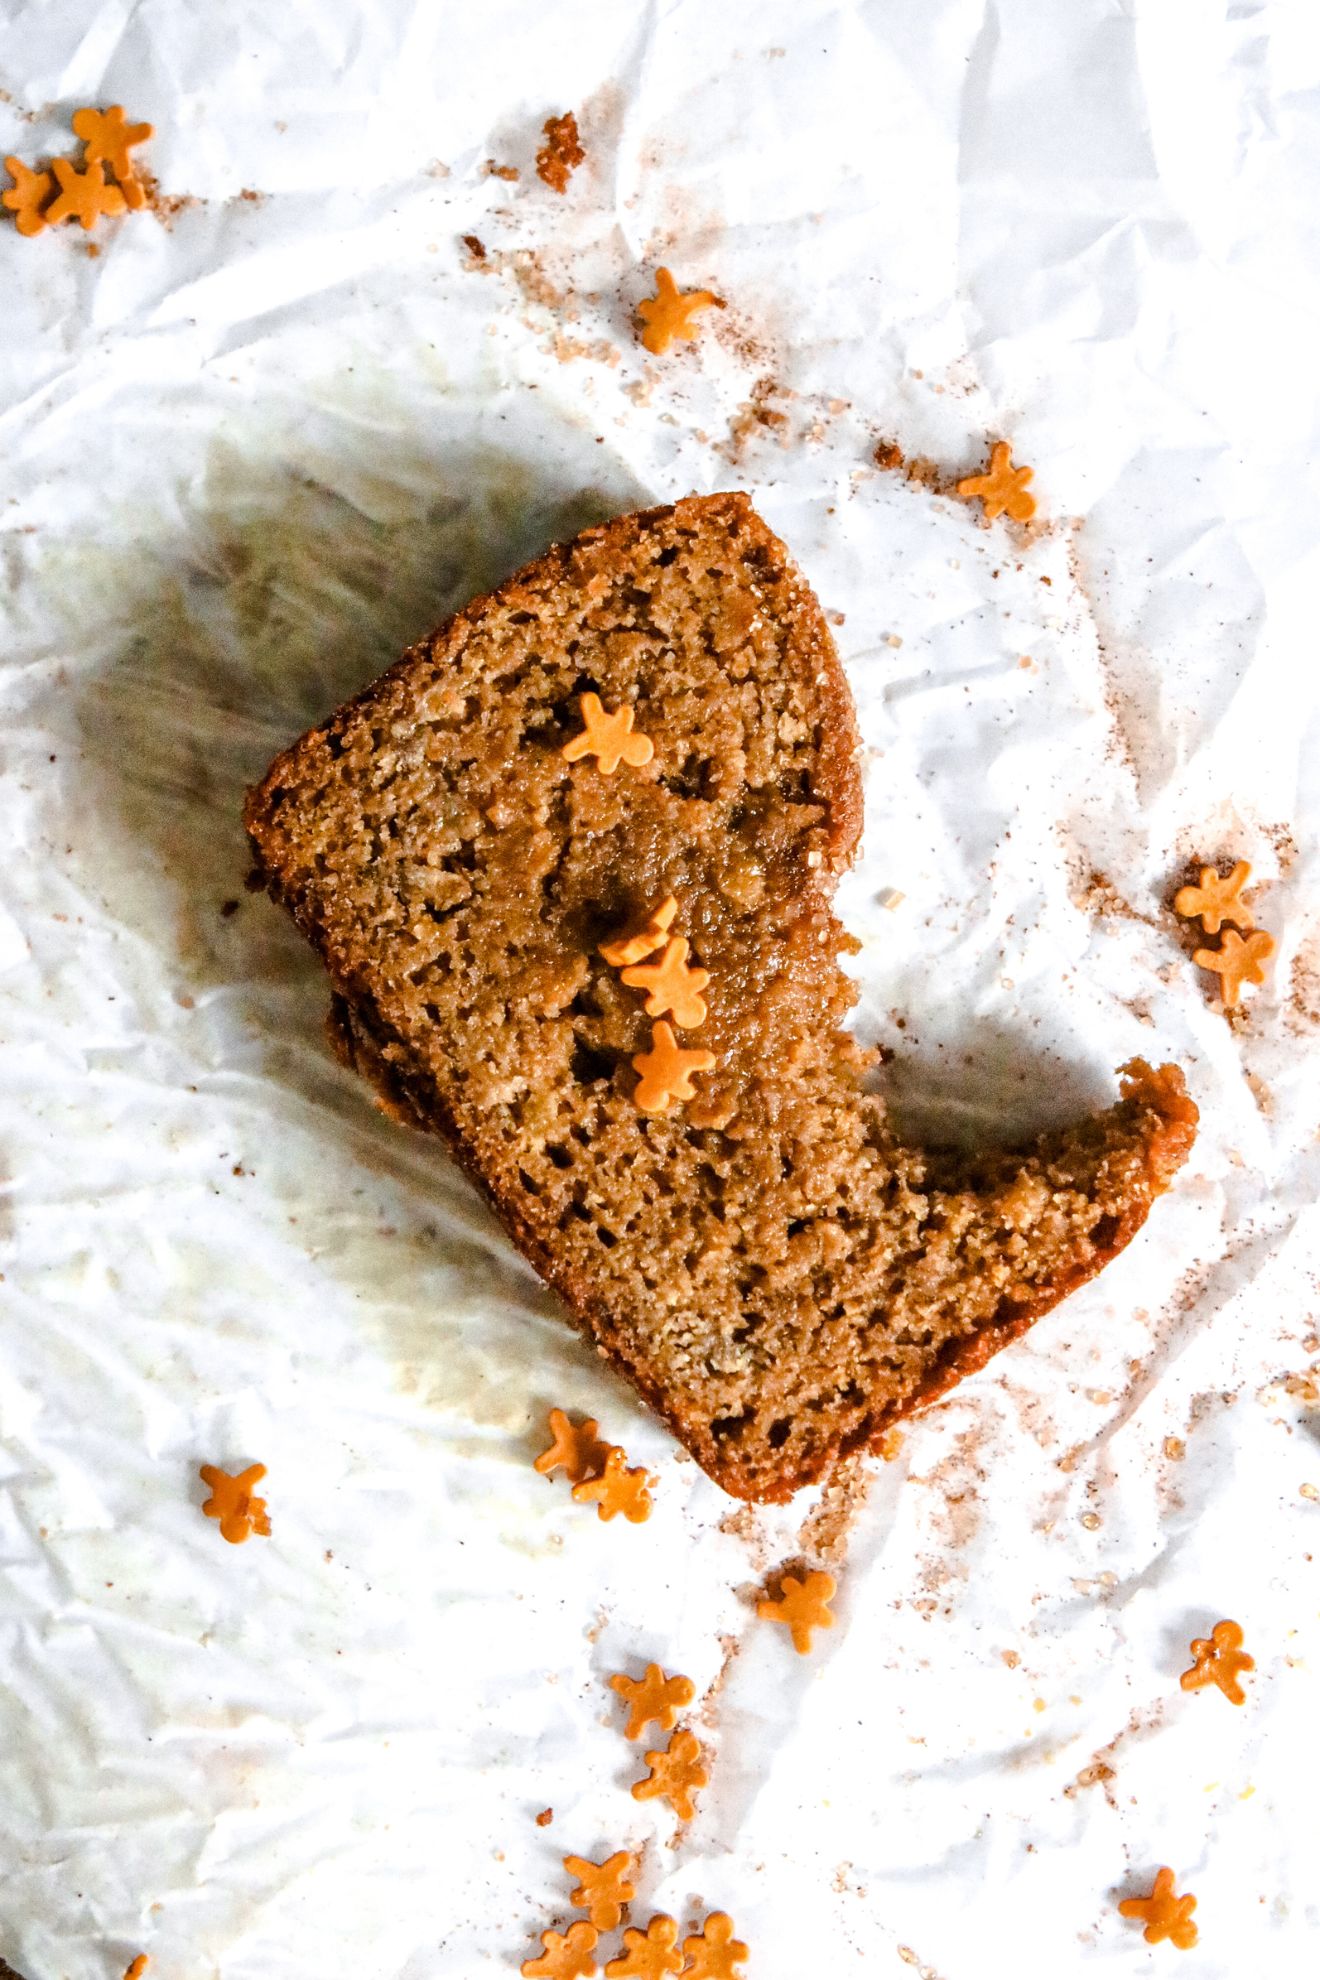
(780, 1275)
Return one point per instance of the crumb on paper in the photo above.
(562, 152)
(758, 413)
(568, 349)
(167, 207)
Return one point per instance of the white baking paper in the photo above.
(253, 446)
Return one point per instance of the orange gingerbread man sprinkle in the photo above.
(602, 1888)
(233, 1503)
(1218, 899)
(617, 1490)
(1236, 962)
(636, 948)
(609, 738)
(668, 314)
(108, 141)
(714, 1953)
(137, 1968)
(666, 1071)
(1219, 1659)
(1165, 1916)
(675, 1776)
(802, 1607)
(654, 1698)
(647, 1955)
(574, 1447)
(672, 985)
(27, 196)
(1003, 489)
(82, 196)
(568, 1955)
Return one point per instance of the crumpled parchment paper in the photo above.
(283, 424)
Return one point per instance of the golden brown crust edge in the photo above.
(1166, 1090)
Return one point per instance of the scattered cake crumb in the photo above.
(562, 152)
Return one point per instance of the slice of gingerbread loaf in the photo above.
(569, 865)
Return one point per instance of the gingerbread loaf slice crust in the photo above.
(777, 1274)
